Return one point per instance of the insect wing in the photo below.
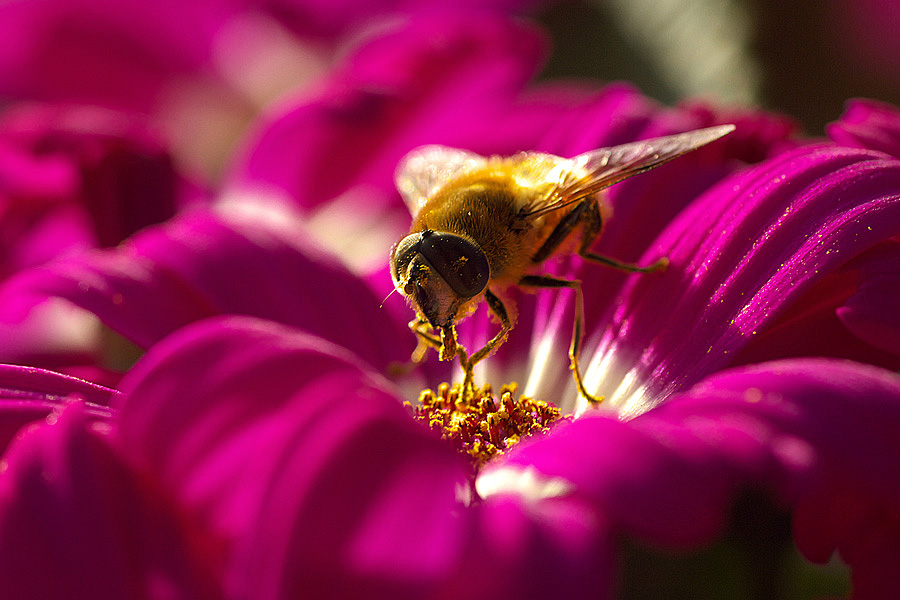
(426, 169)
(593, 171)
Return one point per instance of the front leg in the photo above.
(446, 345)
(468, 363)
(426, 339)
(499, 309)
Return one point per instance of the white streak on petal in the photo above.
(623, 385)
(526, 482)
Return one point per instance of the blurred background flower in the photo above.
(163, 163)
(202, 71)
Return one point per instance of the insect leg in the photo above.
(593, 223)
(546, 281)
(561, 231)
(426, 338)
(468, 363)
(497, 307)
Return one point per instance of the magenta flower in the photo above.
(78, 177)
(201, 70)
(281, 467)
(255, 433)
(74, 178)
(188, 282)
(258, 450)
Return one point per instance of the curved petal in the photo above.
(637, 481)
(398, 91)
(741, 255)
(103, 53)
(642, 207)
(872, 313)
(322, 484)
(74, 177)
(817, 435)
(28, 395)
(555, 548)
(74, 520)
(868, 124)
(837, 420)
(212, 409)
(122, 175)
(364, 504)
(395, 530)
(201, 265)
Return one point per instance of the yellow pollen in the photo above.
(479, 425)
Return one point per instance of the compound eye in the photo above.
(459, 262)
(404, 252)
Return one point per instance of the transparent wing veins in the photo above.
(428, 168)
(588, 173)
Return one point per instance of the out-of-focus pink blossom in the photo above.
(259, 450)
(74, 178)
(202, 70)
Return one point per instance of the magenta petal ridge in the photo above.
(28, 395)
(739, 256)
(75, 521)
(281, 445)
(201, 265)
(868, 124)
(29, 383)
(816, 436)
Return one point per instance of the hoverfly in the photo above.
(481, 224)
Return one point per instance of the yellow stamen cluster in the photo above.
(480, 426)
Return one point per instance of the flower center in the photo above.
(479, 425)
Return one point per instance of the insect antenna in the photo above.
(390, 293)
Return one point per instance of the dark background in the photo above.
(807, 56)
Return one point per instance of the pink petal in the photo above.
(322, 18)
(449, 80)
(73, 177)
(102, 52)
(212, 409)
(361, 503)
(868, 124)
(811, 327)
(548, 549)
(123, 176)
(28, 395)
(740, 255)
(202, 265)
(621, 469)
(873, 312)
(321, 483)
(75, 521)
(815, 435)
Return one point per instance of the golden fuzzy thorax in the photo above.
(486, 207)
